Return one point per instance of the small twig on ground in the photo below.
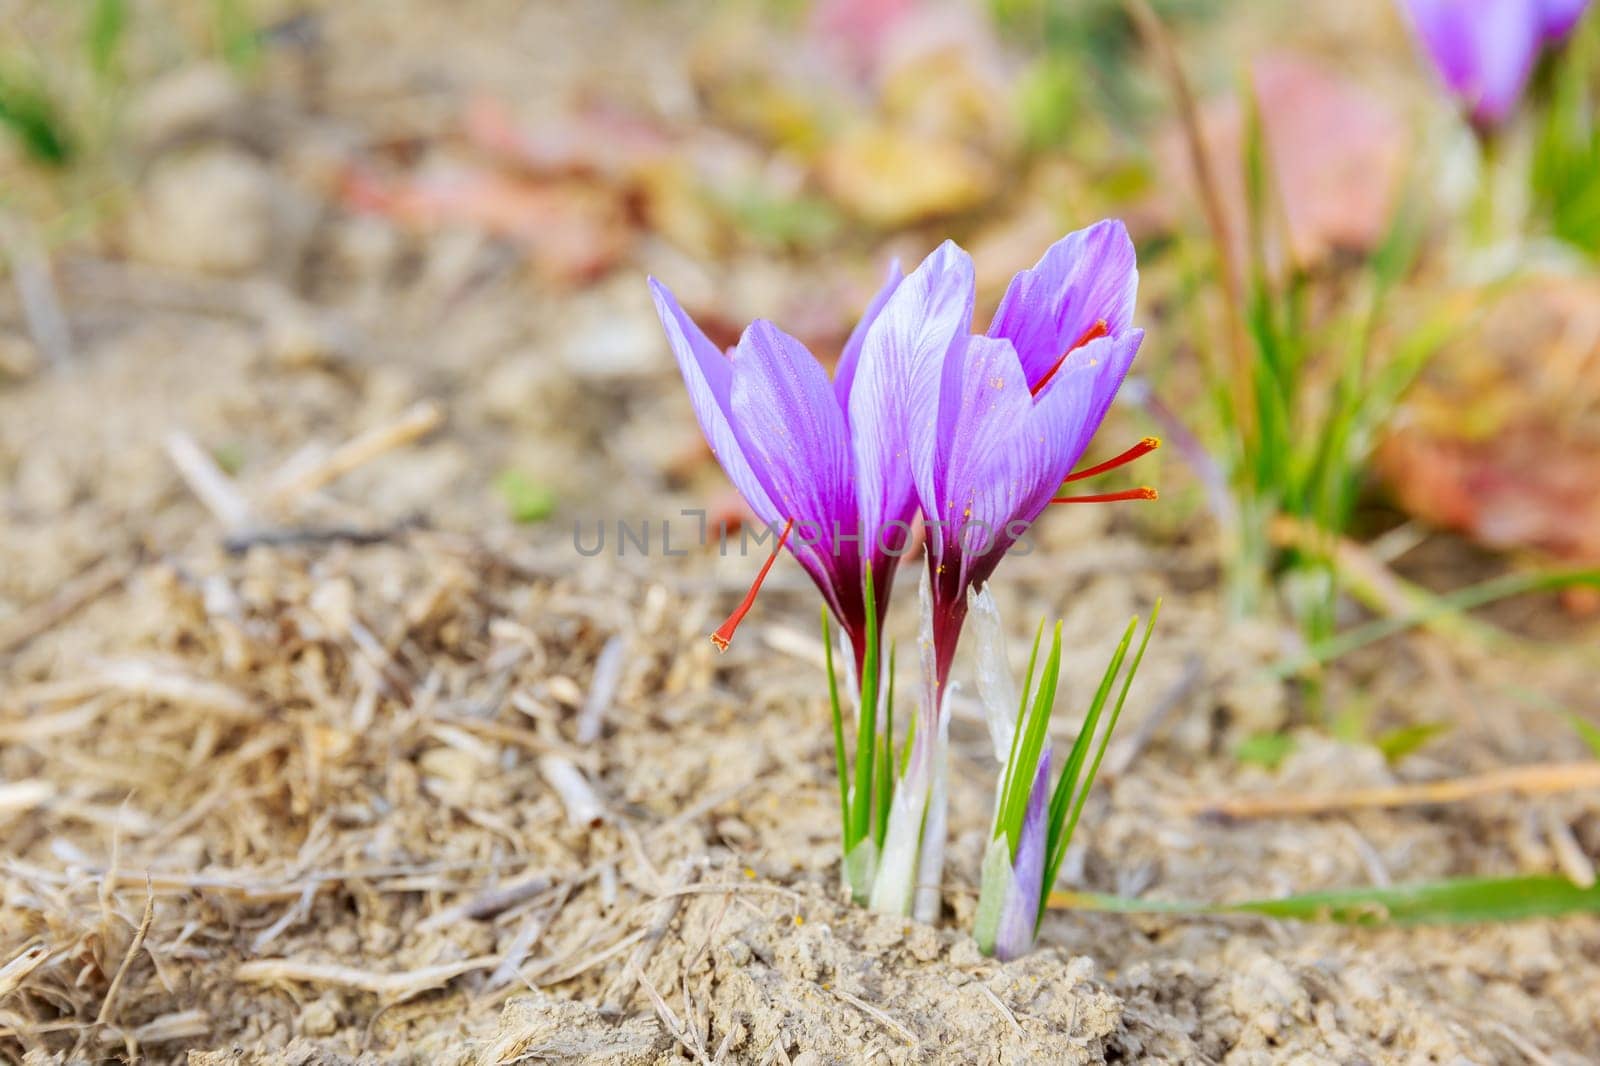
(415, 423)
(36, 290)
(108, 1005)
(552, 976)
(533, 928)
(13, 973)
(394, 987)
(1531, 780)
(491, 902)
(876, 1014)
(179, 1025)
(1004, 1010)
(584, 809)
(296, 536)
(211, 486)
(1570, 856)
(153, 679)
(77, 593)
(602, 689)
(616, 1002)
(20, 797)
(669, 1019)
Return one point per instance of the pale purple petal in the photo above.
(1560, 16)
(1035, 453)
(790, 427)
(709, 377)
(1019, 917)
(894, 404)
(1086, 277)
(1484, 50)
(986, 409)
(844, 374)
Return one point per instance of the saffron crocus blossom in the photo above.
(995, 425)
(1004, 417)
(1485, 50)
(795, 444)
(827, 463)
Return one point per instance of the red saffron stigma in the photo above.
(724, 634)
(1143, 492)
(1144, 447)
(1094, 332)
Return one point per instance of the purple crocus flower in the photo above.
(1485, 50)
(1560, 16)
(796, 446)
(999, 420)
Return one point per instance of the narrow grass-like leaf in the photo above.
(1461, 900)
(35, 118)
(867, 722)
(108, 19)
(1062, 799)
(1396, 744)
(1016, 734)
(1588, 731)
(1034, 728)
(1264, 749)
(1060, 841)
(838, 734)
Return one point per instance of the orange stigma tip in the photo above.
(1143, 492)
(1144, 447)
(724, 634)
(1094, 332)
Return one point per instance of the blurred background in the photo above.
(323, 325)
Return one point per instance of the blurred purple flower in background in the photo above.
(1485, 50)
(1560, 16)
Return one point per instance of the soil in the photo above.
(292, 708)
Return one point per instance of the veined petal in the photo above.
(709, 377)
(793, 433)
(894, 402)
(844, 374)
(1086, 277)
(1040, 450)
(985, 410)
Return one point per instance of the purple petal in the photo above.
(894, 404)
(1019, 917)
(1560, 16)
(1484, 50)
(1084, 278)
(709, 377)
(1038, 451)
(790, 427)
(986, 408)
(844, 374)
